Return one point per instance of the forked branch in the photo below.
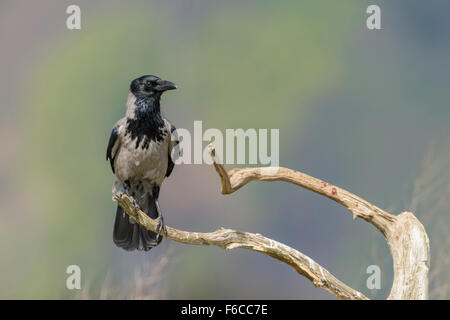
(405, 235)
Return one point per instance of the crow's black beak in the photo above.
(163, 85)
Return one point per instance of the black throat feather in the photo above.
(148, 124)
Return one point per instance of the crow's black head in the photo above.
(150, 86)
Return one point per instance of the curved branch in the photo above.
(231, 239)
(239, 177)
(405, 235)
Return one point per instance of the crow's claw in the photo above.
(135, 205)
(160, 227)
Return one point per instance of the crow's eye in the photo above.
(149, 84)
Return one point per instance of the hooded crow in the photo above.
(139, 151)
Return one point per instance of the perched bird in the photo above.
(139, 151)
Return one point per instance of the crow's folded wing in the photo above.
(113, 145)
(172, 144)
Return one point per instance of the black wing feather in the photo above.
(170, 163)
(112, 141)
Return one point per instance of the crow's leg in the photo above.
(161, 227)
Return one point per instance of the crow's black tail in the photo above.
(131, 236)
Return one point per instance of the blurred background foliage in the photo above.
(357, 108)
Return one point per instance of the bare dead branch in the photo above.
(231, 239)
(239, 177)
(405, 235)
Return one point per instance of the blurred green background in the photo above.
(365, 110)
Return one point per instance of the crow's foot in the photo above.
(161, 227)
